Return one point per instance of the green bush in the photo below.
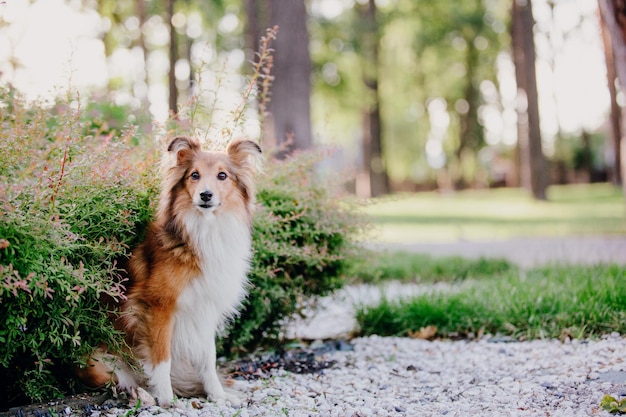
(303, 243)
(106, 118)
(72, 204)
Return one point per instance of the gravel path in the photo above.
(411, 377)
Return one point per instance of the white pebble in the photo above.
(405, 377)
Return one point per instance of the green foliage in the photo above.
(303, 243)
(573, 154)
(411, 267)
(427, 50)
(70, 206)
(613, 405)
(546, 302)
(105, 118)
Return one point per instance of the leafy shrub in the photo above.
(71, 205)
(303, 242)
(104, 117)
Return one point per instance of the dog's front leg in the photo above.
(158, 364)
(210, 379)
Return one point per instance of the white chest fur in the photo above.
(223, 245)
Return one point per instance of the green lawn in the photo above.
(491, 295)
(597, 209)
(551, 302)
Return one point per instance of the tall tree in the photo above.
(473, 29)
(533, 166)
(373, 162)
(612, 18)
(471, 133)
(288, 124)
(173, 57)
(456, 45)
(141, 43)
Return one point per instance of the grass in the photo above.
(548, 302)
(421, 268)
(499, 214)
(492, 295)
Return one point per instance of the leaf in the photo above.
(426, 333)
(606, 402)
(612, 405)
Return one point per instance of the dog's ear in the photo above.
(246, 158)
(243, 152)
(183, 147)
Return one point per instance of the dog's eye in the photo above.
(195, 176)
(222, 176)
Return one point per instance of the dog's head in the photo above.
(210, 181)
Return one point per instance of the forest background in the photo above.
(413, 94)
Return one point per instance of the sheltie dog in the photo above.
(187, 278)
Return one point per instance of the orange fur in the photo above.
(95, 373)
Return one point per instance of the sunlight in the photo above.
(330, 9)
(43, 58)
(571, 72)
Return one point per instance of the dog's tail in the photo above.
(103, 368)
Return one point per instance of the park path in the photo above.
(528, 252)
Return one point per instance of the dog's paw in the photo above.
(139, 397)
(235, 397)
(164, 398)
(165, 401)
(227, 395)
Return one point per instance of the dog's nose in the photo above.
(206, 195)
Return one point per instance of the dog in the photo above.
(187, 278)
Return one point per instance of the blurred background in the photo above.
(412, 94)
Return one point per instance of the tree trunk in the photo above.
(586, 162)
(142, 92)
(288, 122)
(608, 24)
(253, 29)
(533, 166)
(470, 135)
(173, 56)
(375, 173)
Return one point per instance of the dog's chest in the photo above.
(223, 249)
